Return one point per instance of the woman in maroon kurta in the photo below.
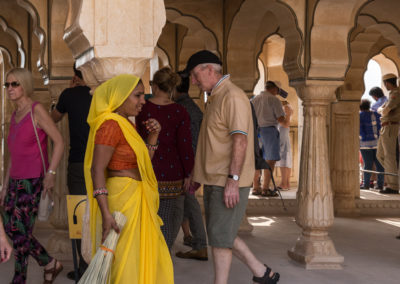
(173, 160)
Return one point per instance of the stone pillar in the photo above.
(59, 243)
(314, 249)
(344, 156)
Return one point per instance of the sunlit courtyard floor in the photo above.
(364, 194)
(371, 254)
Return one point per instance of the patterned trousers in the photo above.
(21, 208)
(171, 212)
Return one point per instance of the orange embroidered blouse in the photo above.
(110, 134)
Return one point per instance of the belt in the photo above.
(389, 123)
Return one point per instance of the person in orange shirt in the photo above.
(119, 177)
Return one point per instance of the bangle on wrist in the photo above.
(152, 147)
(51, 172)
(100, 191)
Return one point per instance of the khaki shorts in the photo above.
(223, 223)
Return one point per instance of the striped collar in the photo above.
(220, 81)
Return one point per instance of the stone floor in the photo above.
(371, 251)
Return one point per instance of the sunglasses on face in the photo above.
(13, 84)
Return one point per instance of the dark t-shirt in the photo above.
(76, 103)
(196, 116)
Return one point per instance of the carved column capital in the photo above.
(316, 92)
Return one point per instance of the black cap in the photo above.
(201, 57)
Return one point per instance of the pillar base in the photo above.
(345, 207)
(59, 245)
(316, 251)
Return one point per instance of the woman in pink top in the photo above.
(25, 179)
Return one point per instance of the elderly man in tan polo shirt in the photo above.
(390, 119)
(224, 163)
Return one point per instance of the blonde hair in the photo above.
(166, 80)
(24, 78)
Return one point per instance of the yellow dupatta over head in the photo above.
(154, 254)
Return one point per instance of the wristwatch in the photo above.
(234, 177)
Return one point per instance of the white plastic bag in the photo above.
(45, 207)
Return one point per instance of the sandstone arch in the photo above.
(40, 34)
(5, 54)
(387, 30)
(245, 43)
(333, 20)
(14, 34)
(374, 37)
(60, 59)
(363, 48)
(198, 36)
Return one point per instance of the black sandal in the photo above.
(266, 279)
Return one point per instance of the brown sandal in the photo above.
(269, 193)
(256, 191)
(53, 271)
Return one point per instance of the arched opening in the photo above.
(270, 68)
(273, 38)
(260, 86)
(376, 68)
(260, 22)
(182, 36)
(371, 35)
(372, 78)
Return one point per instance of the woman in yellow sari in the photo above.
(119, 177)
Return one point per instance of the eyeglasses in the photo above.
(13, 84)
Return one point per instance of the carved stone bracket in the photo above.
(98, 70)
(314, 248)
(106, 42)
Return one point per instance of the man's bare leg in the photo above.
(242, 251)
(222, 258)
(256, 183)
(285, 177)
